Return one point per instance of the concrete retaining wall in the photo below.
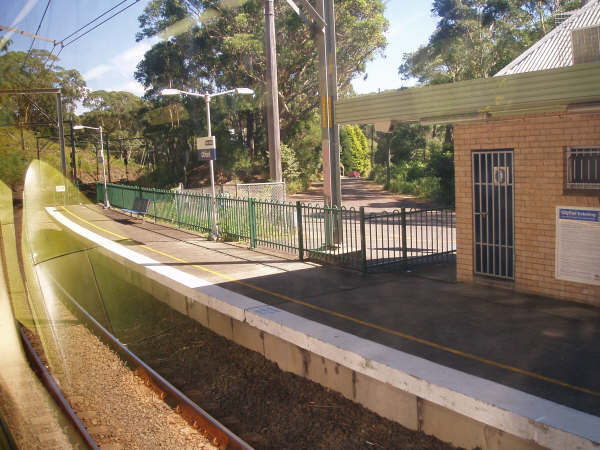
(454, 406)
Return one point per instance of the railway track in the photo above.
(217, 434)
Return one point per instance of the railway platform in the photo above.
(493, 360)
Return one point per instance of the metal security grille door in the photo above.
(493, 213)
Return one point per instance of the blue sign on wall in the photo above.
(579, 214)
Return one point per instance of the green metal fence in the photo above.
(346, 237)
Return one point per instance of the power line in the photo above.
(103, 22)
(38, 29)
(92, 21)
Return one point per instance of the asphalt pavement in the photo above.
(546, 347)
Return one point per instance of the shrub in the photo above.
(356, 154)
(289, 164)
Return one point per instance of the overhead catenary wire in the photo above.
(38, 28)
(101, 23)
(92, 21)
(93, 28)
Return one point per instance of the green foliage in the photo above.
(12, 167)
(427, 172)
(115, 111)
(289, 164)
(356, 153)
(477, 38)
(227, 50)
(28, 72)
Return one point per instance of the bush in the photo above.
(417, 178)
(356, 154)
(289, 164)
(12, 167)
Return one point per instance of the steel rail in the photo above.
(220, 435)
(53, 388)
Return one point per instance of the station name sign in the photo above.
(207, 148)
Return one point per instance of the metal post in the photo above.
(61, 134)
(388, 171)
(177, 208)
(325, 135)
(404, 243)
(272, 94)
(37, 143)
(363, 241)
(300, 231)
(252, 222)
(108, 159)
(73, 160)
(213, 200)
(334, 135)
(154, 203)
(97, 169)
(106, 202)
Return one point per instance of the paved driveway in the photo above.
(357, 192)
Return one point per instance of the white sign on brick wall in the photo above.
(578, 244)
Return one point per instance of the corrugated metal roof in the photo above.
(554, 50)
(548, 90)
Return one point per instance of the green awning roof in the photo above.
(547, 90)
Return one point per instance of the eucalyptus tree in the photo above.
(477, 38)
(215, 45)
(38, 70)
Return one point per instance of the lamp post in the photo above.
(81, 127)
(240, 91)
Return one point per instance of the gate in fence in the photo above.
(369, 242)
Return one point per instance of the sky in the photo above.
(108, 55)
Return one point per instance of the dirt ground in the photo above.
(265, 406)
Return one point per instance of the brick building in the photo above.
(533, 150)
(527, 162)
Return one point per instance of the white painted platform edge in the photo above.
(547, 423)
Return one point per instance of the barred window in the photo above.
(583, 168)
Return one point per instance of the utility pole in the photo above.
(323, 81)
(61, 134)
(334, 134)
(108, 159)
(73, 156)
(272, 94)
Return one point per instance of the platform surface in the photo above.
(542, 346)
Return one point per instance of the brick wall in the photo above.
(539, 143)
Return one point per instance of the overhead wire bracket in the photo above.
(317, 20)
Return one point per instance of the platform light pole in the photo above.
(239, 91)
(81, 127)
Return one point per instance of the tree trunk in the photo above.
(22, 138)
(449, 135)
(250, 133)
(188, 149)
(541, 13)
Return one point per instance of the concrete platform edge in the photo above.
(298, 343)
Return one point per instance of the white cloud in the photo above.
(96, 72)
(131, 86)
(117, 73)
(126, 62)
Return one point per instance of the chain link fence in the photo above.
(274, 192)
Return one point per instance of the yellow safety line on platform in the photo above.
(354, 319)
